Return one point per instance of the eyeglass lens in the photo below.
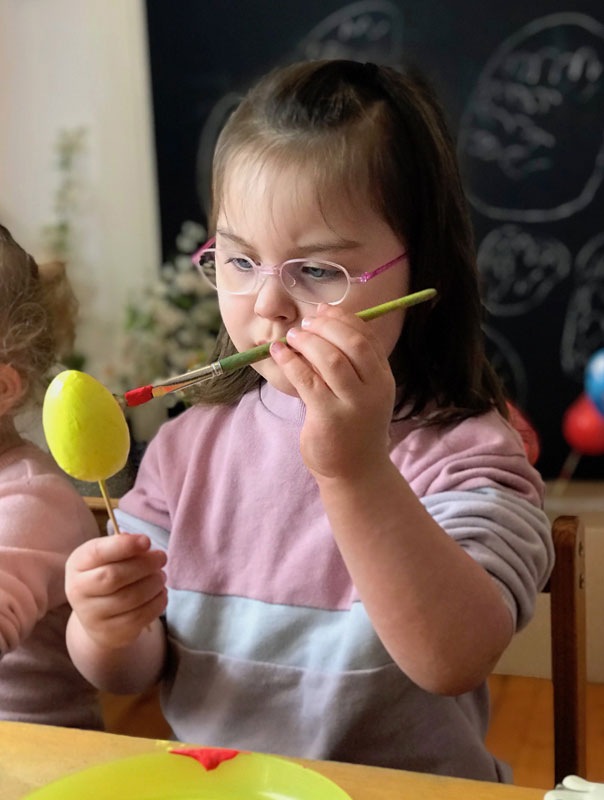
(304, 279)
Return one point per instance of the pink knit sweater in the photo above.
(42, 519)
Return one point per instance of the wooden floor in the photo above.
(521, 730)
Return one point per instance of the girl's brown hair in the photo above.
(37, 314)
(379, 134)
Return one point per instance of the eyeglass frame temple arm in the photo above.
(367, 276)
(197, 253)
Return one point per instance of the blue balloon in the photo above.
(594, 380)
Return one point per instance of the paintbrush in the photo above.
(136, 397)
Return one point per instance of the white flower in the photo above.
(194, 229)
(185, 338)
(173, 325)
(191, 235)
(184, 264)
(169, 317)
(183, 359)
(159, 289)
(187, 282)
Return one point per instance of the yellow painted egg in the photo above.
(84, 427)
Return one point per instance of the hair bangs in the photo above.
(340, 162)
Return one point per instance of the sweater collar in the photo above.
(282, 405)
(287, 407)
(23, 449)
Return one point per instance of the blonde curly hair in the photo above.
(37, 315)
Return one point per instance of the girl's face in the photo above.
(273, 215)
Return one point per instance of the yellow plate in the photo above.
(168, 776)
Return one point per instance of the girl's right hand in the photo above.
(116, 587)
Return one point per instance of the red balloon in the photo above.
(527, 433)
(583, 427)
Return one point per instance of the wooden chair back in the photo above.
(566, 588)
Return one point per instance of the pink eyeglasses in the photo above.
(308, 280)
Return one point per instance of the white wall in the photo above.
(65, 64)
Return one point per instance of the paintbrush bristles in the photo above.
(162, 391)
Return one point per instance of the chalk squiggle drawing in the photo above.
(531, 139)
(520, 269)
(583, 331)
(370, 30)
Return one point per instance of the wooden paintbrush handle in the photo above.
(238, 360)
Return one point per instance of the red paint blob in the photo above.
(136, 397)
(208, 757)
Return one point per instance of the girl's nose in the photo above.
(273, 302)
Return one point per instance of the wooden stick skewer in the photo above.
(108, 506)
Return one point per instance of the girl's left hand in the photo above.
(339, 368)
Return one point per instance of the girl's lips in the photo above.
(272, 339)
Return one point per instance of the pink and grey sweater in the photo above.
(42, 519)
(271, 648)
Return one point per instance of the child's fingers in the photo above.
(137, 618)
(107, 588)
(128, 598)
(107, 549)
(348, 332)
(112, 577)
(146, 613)
(114, 626)
(341, 348)
(326, 358)
(305, 380)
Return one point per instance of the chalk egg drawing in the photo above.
(520, 268)
(583, 331)
(370, 30)
(531, 139)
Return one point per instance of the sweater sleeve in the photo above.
(508, 536)
(475, 480)
(43, 520)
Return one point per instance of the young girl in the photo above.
(42, 518)
(353, 533)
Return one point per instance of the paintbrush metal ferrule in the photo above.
(212, 370)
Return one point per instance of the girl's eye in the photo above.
(321, 272)
(240, 263)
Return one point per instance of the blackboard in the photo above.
(523, 88)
